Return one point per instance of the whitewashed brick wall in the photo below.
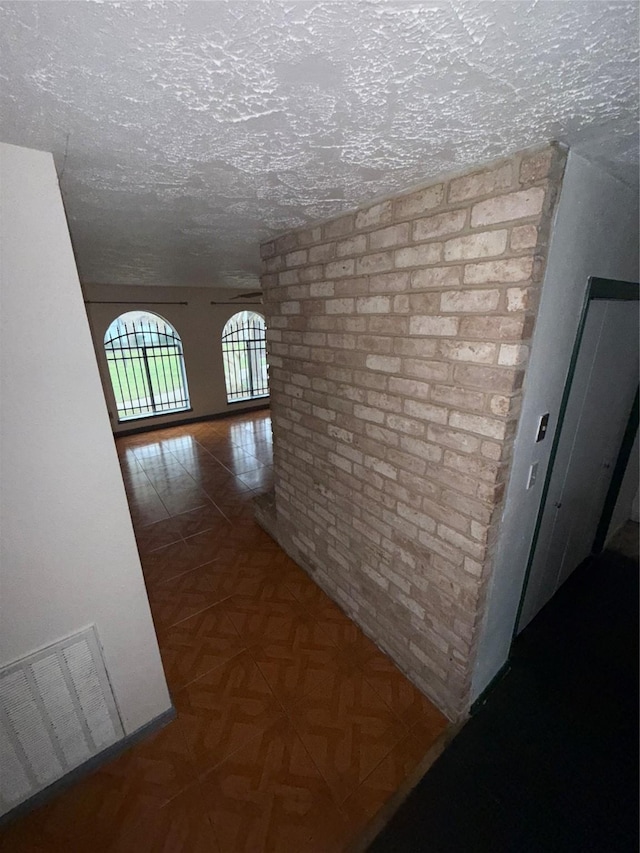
(398, 340)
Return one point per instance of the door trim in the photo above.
(616, 478)
(597, 288)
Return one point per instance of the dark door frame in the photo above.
(597, 288)
(617, 477)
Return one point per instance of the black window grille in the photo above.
(244, 355)
(146, 366)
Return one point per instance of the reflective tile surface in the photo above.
(293, 730)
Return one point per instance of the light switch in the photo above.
(542, 427)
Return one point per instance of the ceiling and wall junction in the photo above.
(186, 133)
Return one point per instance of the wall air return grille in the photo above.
(56, 711)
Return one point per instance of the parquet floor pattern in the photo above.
(292, 728)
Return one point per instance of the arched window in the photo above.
(244, 356)
(146, 366)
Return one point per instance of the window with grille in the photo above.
(146, 366)
(244, 355)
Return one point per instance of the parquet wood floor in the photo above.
(293, 730)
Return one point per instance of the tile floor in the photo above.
(292, 731)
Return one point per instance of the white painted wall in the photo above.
(199, 324)
(595, 234)
(69, 557)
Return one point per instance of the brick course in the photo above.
(398, 339)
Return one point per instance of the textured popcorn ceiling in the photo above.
(186, 133)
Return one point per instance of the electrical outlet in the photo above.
(533, 475)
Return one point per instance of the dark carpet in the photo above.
(549, 762)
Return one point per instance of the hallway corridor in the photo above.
(292, 731)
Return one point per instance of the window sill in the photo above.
(247, 399)
(153, 415)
